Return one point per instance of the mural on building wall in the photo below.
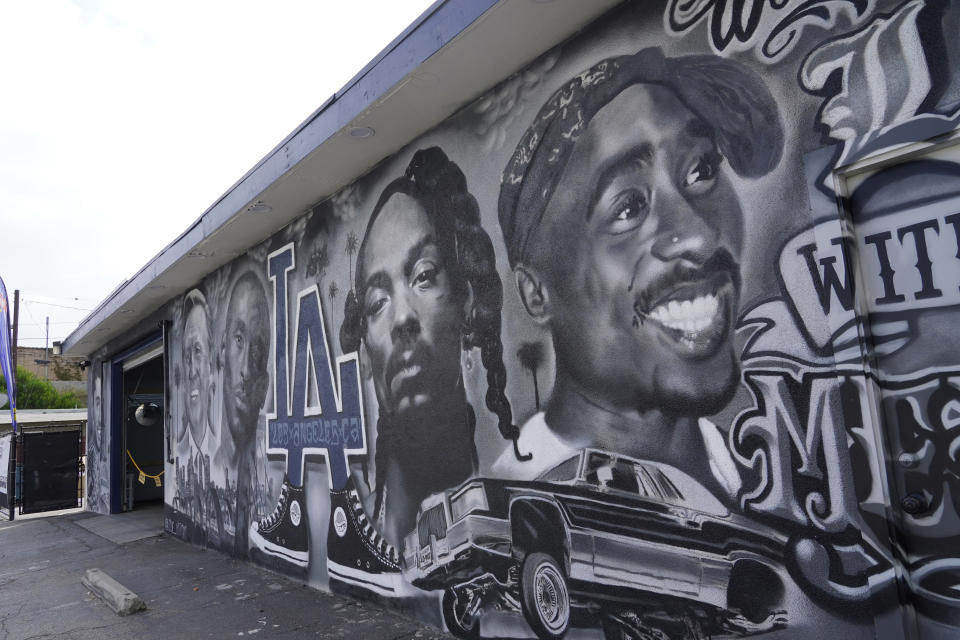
(614, 351)
(96, 470)
(220, 381)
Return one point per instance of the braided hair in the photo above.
(440, 187)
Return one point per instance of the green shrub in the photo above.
(33, 392)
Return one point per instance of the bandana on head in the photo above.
(730, 99)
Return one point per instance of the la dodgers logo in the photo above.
(332, 427)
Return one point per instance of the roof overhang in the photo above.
(450, 55)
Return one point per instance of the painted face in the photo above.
(196, 364)
(412, 314)
(97, 411)
(245, 357)
(639, 256)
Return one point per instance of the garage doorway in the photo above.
(138, 429)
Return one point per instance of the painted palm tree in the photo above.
(352, 243)
(530, 355)
(318, 262)
(333, 289)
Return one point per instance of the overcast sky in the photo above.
(121, 122)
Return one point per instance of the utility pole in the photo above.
(46, 352)
(16, 322)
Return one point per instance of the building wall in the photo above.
(636, 255)
(98, 438)
(59, 367)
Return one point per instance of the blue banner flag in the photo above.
(6, 354)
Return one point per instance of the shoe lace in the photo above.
(274, 517)
(373, 536)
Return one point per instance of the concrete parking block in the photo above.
(118, 597)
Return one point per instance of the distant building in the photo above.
(43, 363)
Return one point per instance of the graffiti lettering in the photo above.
(906, 264)
(802, 456)
(772, 25)
(317, 433)
(817, 441)
(880, 51)
(829, 282)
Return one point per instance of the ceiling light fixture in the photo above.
(361, 132)
(147, 413)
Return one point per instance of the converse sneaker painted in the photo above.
(284, 534)
(356, 552)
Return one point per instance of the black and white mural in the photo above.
(96, 467)
(654, 340)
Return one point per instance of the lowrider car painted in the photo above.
(600, 533)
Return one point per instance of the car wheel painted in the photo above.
(456, 615)
(546, 601)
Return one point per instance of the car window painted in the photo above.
(563, 472)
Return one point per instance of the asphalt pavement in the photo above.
(189, 592)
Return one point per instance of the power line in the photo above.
(40, 324)
(29, 313)
(50, 304)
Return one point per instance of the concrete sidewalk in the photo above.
(189, 592)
